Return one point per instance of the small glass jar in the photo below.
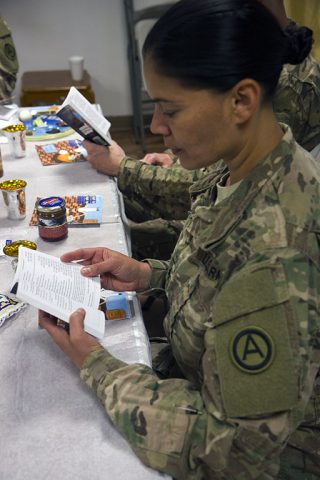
(52, 218)
(12, 250)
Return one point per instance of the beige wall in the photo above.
(47, 33)
(307, 13)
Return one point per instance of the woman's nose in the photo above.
(158, 125)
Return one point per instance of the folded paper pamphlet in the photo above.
(77, 112)
(58, 288)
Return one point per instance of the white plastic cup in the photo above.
(76, 67)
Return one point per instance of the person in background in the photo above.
(306, 13)
(235, 392)
(8, 63)
(157, 199)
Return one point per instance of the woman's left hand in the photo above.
(77, 344)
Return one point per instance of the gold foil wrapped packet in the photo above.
(9, 307)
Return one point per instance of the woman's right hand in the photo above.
(117, 271)
(105, 159)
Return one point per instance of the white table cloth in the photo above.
(51, 425)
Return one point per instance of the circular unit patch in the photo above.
(10, 51)
(252, 350)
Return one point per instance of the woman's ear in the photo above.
(245, 98)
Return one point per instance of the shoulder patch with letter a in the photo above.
(252, 350)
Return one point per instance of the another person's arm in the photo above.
(166, 188)
(8, 62)
(164, 159)
(297, 101)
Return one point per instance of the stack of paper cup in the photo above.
(76, 67)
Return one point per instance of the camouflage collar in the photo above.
(270, 169)
(280, 158)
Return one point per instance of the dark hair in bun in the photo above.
(213, 44)
(299, 43)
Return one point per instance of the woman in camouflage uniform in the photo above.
(236, 393)
(157, 199)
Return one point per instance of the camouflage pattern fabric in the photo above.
(154, 238)
(297, 101)
(153, 193)
(243, 287)
(8, 62)
(155, 219)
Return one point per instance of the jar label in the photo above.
(52, 222)
(51, 202)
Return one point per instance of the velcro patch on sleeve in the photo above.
(255, 360)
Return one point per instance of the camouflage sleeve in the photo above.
(159, 269)
(165, 190)
(297, 101)
(8, 61)
(257, 374)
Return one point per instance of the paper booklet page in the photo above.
(96, 120)
(58, 288)
(94, 117)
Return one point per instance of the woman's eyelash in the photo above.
(169, 114)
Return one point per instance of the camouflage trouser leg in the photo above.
(154, 238)
(151, 236)
(136, 211)
(295, 465)
(163, 361)
(140, 208)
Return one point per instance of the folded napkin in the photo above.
(7, 111)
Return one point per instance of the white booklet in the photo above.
(58, 288)
(77, 112)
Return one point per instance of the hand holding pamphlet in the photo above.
(84, 118)
(58, 288)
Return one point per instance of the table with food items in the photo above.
(52, 202)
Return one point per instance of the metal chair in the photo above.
(138, 24)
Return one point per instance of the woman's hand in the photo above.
(118, 272)
(105, 159)
(77, 344)
(161, 159)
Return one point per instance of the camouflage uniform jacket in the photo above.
(8, 62)
(243, 288)
(297, 101)
(162, 192)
